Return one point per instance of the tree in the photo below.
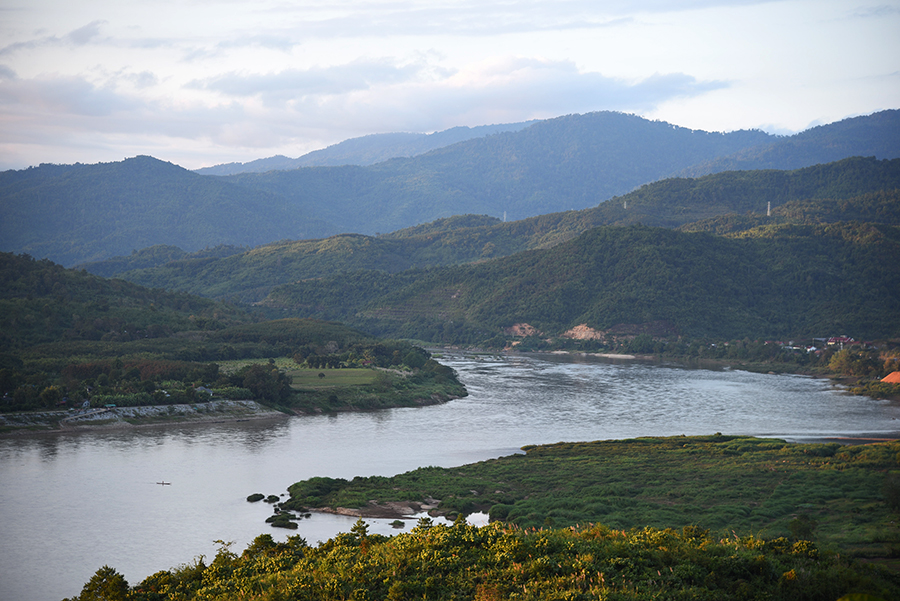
(415, 359)
(266, 382)
(105, 585)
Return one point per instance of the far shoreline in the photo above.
(110, 419)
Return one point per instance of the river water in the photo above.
(71, 503)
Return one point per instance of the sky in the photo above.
(199, 83)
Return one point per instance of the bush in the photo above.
(892, 491)
(233, 393)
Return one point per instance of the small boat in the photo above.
(165, 483)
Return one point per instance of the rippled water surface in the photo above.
(70, 503)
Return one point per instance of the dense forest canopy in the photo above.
(736, 197)
(771, 281)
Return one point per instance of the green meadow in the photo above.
(330, 378)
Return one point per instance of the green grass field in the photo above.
(232, 366)
(309, 378)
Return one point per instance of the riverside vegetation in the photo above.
(843, 497)
(69, 336)
(715, 517)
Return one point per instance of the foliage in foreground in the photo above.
(497, 562)
(841, 497)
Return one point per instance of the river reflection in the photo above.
(70, 503)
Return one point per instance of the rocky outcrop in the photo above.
(130, 417)
(522, 329)
(583, 332)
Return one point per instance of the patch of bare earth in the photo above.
(389, 509)
(522, 329)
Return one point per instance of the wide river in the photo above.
(71, 503)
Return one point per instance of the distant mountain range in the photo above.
(866, 190)
(79, 213)
(366, 150)
(871, 135)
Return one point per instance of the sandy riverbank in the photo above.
(387, 510)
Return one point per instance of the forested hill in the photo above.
(858, 189)
(40, 302)
(77, 213)
(873, 135)
(366, 150)
(776, 281)
(566, 163)
(68, 337)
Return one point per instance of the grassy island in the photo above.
(844, 498)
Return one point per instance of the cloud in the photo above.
(58, 97)
(473, 17)
(509, 85)
(294, 111)
(877, 12)
(518, 89)
(29, 45)
(78, 37)
(144, 79)
(275, 42)
(270, 41)
(83, 35)
(293, 83)
(279, 77)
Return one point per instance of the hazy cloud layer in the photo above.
(200, 83)
(295, 83)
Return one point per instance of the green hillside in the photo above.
(769, 282)
(844, 191)
(154, 256)
(873, 135)
(876, 207)
(77, 213)
(41, 301)
(68, 337)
